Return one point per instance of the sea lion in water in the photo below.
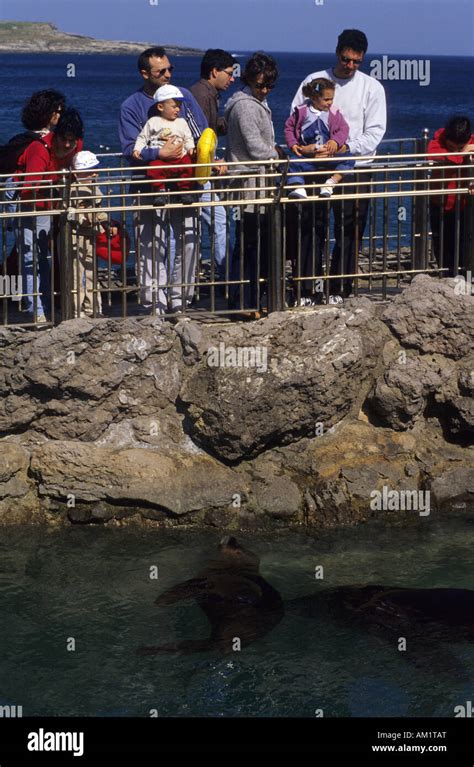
(237, 601)
(426, 618)
(445, 611)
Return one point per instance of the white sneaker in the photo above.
(326, 190)
(300, 191)
(41, 319)
(303, 301)
(336, 300)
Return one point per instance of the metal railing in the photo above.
(248, 246)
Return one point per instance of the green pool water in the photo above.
(92, 585)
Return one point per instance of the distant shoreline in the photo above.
(43, 37)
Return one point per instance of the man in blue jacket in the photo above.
(156, 70)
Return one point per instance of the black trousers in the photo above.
(449, 238)
(346, 213)
(251, 228)
(313, 235)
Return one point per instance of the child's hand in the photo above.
(136, 155)
(296, 149)
(113, 231)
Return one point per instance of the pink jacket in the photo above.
(338, 128)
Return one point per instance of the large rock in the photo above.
(176, 483)
(84, 376)
(433, 317)
(309, 369)
(432, 373)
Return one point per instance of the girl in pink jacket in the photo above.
(313, 127)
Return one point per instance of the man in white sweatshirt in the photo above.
(361, 100)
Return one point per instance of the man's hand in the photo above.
(136, 155)
(331, 147)
(296, 149)
(309, 150)
(170, 150)
(219, 168)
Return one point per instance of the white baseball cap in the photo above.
(85, 160)
(167, 92)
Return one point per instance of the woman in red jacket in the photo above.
(45, 157)
(455, 137)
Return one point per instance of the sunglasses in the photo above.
(261, 86)
(347, 60)
(161, 72)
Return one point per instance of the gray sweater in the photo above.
(250, 134)
(250, 137)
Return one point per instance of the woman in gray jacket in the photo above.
(250, 138)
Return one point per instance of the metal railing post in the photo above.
(65, 250)
(420, 211)
(468, 240)
(276, 272)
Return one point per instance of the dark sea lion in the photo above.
(426, 618)
(237, 601)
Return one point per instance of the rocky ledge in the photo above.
(315, 418)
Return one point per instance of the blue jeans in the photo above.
(297, 169)
(32, 239)
(220, 228)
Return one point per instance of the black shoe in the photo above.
(187, 199)
(160, 200)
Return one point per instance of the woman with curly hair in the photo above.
(42, 111)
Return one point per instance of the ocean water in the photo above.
(92, 584)
(101, 83)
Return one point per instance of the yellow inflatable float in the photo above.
(206, 152)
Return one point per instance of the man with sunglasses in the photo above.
(217, 74)
(156, 70)
(361, 99)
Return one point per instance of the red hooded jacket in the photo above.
(437, 146)
(37, 158)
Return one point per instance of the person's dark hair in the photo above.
(144, 58)
(354, 39)
(316, 87)
(260, 64)
(70, 122)
(458, 129)
(40, 107)
(215, 58)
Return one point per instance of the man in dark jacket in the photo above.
(217, 74)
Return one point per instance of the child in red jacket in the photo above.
(455, 137)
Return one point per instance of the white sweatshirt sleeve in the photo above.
(143, 137)
(375, 123)
(188, 138)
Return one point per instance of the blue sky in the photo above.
(444, 27)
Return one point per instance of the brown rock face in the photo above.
(293, 420)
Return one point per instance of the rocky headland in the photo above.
(43, 37)
(145, 422)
